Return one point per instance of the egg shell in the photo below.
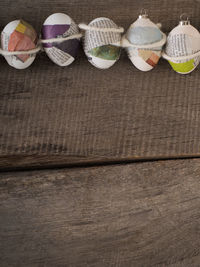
(60, 25)
(142, 32)
(102, 48)
(183, 40)
(18, 35)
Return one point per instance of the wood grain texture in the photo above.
(82, 112)
(145, 214)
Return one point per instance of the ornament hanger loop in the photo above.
(184, 19)
(184, 16)
(143, 13)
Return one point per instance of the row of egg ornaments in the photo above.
(102, 48)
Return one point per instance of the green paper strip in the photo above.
(109, 52)
(185, 67)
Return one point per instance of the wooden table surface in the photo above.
(128, 143)
(142, 214)
(88, 115)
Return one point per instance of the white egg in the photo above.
(18, 35)
(102, 48)
(60, 25)
(183, 40)
(144, 32)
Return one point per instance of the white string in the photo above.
(97, 29)
(39, 46)
(61, 39)
(159, 25)
(125, 43)
(15, 53)
(175, 59)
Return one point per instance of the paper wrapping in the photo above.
(57, 26)
(102, 48)
(142, 32)
(18, 35)
(183, 40)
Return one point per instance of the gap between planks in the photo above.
(41, 162)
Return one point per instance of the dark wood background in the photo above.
(143, 214)
(126, 215)
(90, 115)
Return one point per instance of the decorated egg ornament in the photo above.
(60, 39)
(102, 42)
(18, 36)
(183, 46)
(144, 41)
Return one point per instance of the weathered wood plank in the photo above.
(81, 112)
(146, 214)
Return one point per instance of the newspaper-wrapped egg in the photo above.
(60, 26)
(18, 35)
(102, 43)
(183, 40)
(141, 33)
